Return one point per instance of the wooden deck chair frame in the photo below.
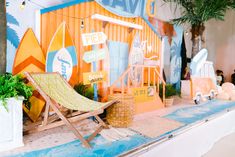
(48, 124)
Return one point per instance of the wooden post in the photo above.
(149, 76)
(163, 94)
(142, 84)
(111, 90)
(46, 112)
(154, 80)
(136, 79)
(94, 68)
(128, 81)
(158, 84)
(122, 82)
(163, 86)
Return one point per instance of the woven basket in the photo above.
(121, 114)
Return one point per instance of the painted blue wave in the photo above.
(102, 149)
(196, 113)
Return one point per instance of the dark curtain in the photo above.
(184, 58)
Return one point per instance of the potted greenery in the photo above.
(169, 94)
(84, 90)
(13, 91)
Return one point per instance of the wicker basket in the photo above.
(121, 113)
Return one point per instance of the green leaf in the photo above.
(197, 12)
(13, 86)
(84, 90)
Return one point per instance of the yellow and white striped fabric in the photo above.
(56, 88)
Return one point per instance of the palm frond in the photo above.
(11, 19)
(12, 36)
(196, 12)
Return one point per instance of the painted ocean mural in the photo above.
(17, 23)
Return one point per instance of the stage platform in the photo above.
(182, 130)
(192, 140)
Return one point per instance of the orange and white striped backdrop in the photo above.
(74, 15)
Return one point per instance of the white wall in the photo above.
(220, 42)
(166, 11)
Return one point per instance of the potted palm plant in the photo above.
(196, 13)
(13, 92)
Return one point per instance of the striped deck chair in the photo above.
(59, 94)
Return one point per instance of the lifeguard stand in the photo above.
(203, 80)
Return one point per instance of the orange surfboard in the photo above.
(62, 55)
(30, 58)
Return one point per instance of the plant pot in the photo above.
(169, 102)
(11, 130)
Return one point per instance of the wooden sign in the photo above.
(94, 55)
(94, 77)
(93, 38)
(143, 94)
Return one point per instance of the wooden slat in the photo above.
(113, 32)
(93, 135)
(32, 126)
(46, 114)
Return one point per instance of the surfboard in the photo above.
(29, 57)
(198, 61)
(62, 55)
(136, 57)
